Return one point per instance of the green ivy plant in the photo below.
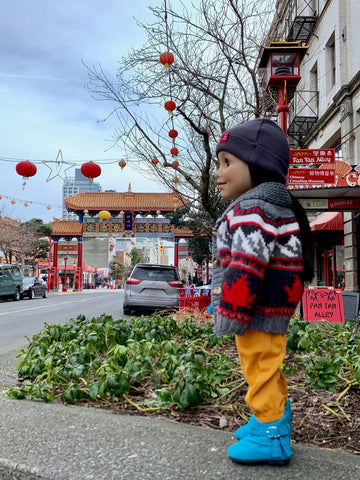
(103, 360)
(157, 362)
(329, 351)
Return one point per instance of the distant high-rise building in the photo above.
(75, 185)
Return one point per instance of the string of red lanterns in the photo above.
(167, 59)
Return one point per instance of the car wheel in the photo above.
(17, 295)
(127, 310)
(45, 294)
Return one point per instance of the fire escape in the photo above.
(300, 23)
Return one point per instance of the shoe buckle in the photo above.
(273, 432)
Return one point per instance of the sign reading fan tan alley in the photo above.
(321, 304)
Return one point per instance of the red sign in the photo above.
(343, 203)
(311, 175)
(321, 304)
(43, 262)
(312, 157)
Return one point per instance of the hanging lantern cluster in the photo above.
(26, 169)
(167, 59)
(90, 170)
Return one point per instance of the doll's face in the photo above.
(233, 176)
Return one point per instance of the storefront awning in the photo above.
(328, 221)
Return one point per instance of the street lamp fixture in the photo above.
(282, 62)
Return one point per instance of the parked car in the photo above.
(34, 287)
(10, 281)
(151, 287)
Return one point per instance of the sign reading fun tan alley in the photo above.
(323, 304)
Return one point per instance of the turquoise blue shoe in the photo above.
(265, 443)
(242, 431)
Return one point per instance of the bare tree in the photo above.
(10, 239)
(213, 82)
(23, 239)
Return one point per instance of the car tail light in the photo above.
(133, 281)
(176, 284)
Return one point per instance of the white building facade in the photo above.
(325, 112)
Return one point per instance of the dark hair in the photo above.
(260, 175)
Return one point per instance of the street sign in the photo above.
(312, 167)
(311, 175)
(312, 156)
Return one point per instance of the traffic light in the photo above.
(161, 249)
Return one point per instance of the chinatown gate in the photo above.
(131, 215)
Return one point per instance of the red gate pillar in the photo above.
(176, 252)
(54, 280)
(79, 273)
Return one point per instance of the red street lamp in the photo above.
(64, 289)
(282, 62)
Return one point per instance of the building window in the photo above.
(314, 89)
(331, 62)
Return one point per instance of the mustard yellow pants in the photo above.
(261, 355)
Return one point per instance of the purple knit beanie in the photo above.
(259, 142)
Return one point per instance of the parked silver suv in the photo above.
(151, 287)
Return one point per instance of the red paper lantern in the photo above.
(122, 164)
(175, 163)
(49, 207)
(167, 58)
(174, 151)
(26, 204)
(26, 169)
(90, 170)
(13, 202)
(155, 161)
(173, 133)
(175, 180)
(170, 106)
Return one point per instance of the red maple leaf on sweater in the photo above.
(238, 294)
(295, 291)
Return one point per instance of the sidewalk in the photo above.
(57, 442)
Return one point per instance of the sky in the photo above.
(46, 112)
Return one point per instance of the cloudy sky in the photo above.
(44, 105)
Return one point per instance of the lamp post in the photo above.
(282, 62)
(64, 284)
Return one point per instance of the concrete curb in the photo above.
(40, 441)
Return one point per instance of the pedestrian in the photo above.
(262, 255)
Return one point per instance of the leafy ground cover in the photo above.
(173, 366)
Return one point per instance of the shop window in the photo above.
(339, 266)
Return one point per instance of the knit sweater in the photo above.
(257, 278)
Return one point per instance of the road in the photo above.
(24, 318)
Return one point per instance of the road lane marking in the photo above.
(41, 306)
